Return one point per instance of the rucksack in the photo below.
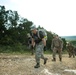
(44, 33)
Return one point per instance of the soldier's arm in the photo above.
(61, 44)
(33, 43)
(44, 41)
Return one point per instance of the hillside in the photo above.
(70, 38)
(24, 65)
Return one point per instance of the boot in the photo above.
(45, 60)
(37, 65)
(54, 59)
(73, 56)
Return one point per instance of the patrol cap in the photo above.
(33, 27)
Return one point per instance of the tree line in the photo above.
(14, 29)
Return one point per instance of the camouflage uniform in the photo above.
(56, 46)
(39, 48)
(70, 49)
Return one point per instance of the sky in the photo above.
(58, 16)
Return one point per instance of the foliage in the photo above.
(64, 43)
(16, 48)
(14, 29)
(73, 42)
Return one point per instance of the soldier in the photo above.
(40, 44)
(56, 46)
(30, 43)
(70, 49)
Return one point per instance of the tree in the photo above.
(64, 43)
(13, 26)
(2, 21)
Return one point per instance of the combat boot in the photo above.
(54, 59)
(37, 65)
(73, 56)
(45, 60)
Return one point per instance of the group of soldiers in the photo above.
(40, 46)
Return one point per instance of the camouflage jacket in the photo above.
(56, 42)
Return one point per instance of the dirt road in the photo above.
(24, 65)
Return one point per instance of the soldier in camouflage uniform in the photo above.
(30, 43)
(40, 45)
(70, 49)
(56, 46)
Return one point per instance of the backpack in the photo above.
(44, 33)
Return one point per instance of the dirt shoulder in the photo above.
(24, 65)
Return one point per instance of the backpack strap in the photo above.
(38, 34)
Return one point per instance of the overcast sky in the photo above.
(58, 16)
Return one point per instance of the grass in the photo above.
(21, 49)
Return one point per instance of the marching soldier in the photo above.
(70, 49)
(40, 43)
(56, 46)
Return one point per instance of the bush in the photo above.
(14, 48)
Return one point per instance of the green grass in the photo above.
(21, 50)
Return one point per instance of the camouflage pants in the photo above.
(39, 52)
(71, 53)
(55, 50)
